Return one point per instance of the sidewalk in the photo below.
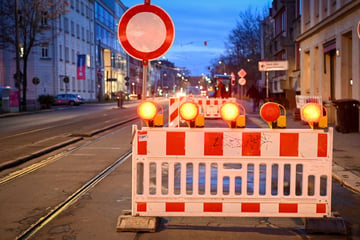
(346, 149)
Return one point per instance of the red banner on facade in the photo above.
(81, 67)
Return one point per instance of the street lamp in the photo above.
(223, 63)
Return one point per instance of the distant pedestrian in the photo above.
(253, 93)
(119, 98)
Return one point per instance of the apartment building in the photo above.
(329, 49)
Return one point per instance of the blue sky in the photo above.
(197, 21)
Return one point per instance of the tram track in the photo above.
(55, 157)
(28, 233)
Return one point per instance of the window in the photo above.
(66, 54)
(73, 56)
(45, 51)
(72, 28)
(44, 19)
(66, 24)
(280, 22)
(83, 33)
(78, 31)
(60, 53)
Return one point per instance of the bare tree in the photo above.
(25, 25)
(243, 46)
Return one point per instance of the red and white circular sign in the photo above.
(146, 32)
(242, 81)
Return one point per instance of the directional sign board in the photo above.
(273, 66)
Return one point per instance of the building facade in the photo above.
(111, 60)
(279, 27)
(329, 47)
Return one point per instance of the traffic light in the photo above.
(231, 114)
(149, 112)
(127, 81)
(312, 113)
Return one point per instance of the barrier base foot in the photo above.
(128, 223)
(328, 225)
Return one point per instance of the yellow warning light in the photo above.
(229, 111)
(189, 111)
(147, 110)
(312, 113)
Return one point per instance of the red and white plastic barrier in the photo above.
(211, 107)
(232, 172)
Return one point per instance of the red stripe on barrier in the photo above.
(216, 102)
(250, 207)
(321, 208)
(200, 102)
(142, 142)
(141, 207)
(207, 102)
(213, 207)
(175, 143)
(322, 145)
(213, 143)
(174, 115)
(289, 144)
(251, 144)
(172, 101)
(288, 207)
(175, 207)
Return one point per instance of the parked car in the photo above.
(68, 99)
(81, 99)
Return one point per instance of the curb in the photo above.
(39, 153)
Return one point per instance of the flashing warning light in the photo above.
(311, 113)
(229, 111)
(147, 110)
(189, 111)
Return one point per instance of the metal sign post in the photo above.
(146, 32)
(266, 66)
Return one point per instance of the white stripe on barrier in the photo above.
(232, 172)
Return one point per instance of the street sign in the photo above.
(146, 32)
(273, 65)
(242, 73)
(242, 81)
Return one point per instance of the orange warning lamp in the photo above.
(311, 113)
(270, 112)
(229, 112)
(188, 112)
(148, 111)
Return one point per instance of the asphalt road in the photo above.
(29, 197)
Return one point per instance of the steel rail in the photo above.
(28, 233)
(33, 167)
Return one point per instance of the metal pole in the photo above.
(17, 56)
(145, 70)
(267, 84)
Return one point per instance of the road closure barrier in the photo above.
(231, 172)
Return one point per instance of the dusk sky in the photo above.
(198, 21)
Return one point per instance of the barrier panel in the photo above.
(211, 107)
(231, 172)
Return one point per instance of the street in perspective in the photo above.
(156, 120)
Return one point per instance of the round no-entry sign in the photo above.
(146, 32)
